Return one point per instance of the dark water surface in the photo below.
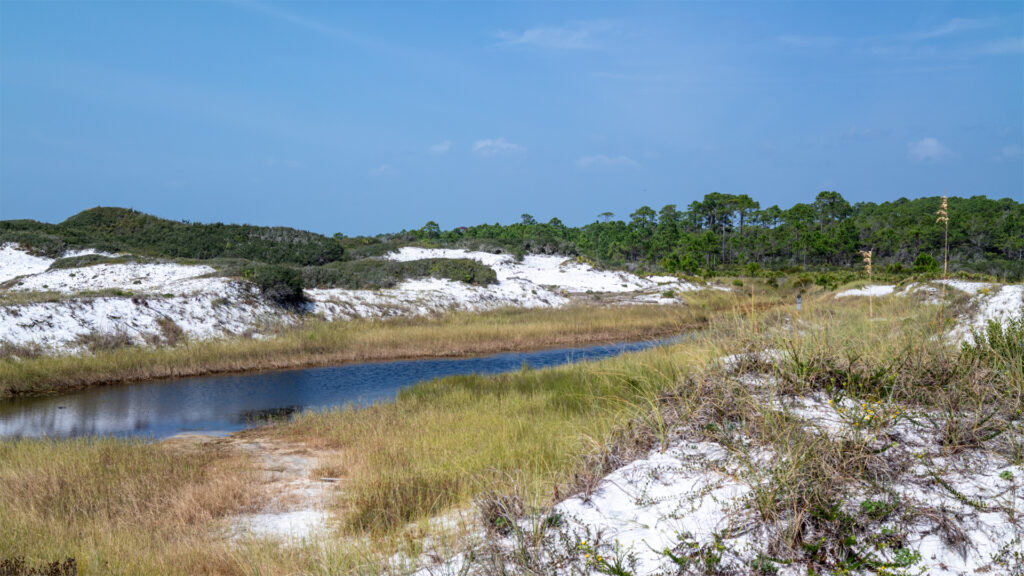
(222, 404)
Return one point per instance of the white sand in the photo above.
(872, 290)
(205, 306)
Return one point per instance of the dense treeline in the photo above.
(122, 230)
(724, 233)
(719, 234)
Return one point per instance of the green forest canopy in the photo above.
(725, 233)
(719, 234)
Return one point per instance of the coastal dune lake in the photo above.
(224, 404)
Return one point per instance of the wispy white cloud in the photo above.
(1010, 153)
(928, 150)
(574, 36)
(1003, 46)
(289, 17)
(440, 148)
(496, 147)
(384, 171)
(604, 161)
(912, 44)
(276, 11)
(954, 26)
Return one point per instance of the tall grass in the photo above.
(120, 507)
(442, 443)
(943, 218)
(324, 343)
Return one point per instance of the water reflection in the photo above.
(223, 404)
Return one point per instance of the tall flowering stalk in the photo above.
(943, 219)
(866, 255)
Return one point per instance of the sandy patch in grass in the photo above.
(873, 290)
(297, 507)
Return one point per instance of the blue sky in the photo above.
(371, 117)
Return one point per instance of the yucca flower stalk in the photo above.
(866, 255)
(943, 218)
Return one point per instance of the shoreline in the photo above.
(54, 375)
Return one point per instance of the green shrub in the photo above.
(802, 281)
(371, 273)
(925, 264)
(680, 263)
(461, 270)
(827, 281)
(34, 241)
(279, 283)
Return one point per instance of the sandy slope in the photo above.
(205, 306)
(998, 303)
(15, 262)
(694, 495)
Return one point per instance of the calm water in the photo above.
(222, 404)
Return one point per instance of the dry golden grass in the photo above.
(121, 507)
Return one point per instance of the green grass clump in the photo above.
(1000, 345)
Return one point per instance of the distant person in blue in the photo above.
(798, 302)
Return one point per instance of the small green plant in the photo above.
(866, 415)
(877, 509)
(705, 558)
(614, 562)
(765, 565)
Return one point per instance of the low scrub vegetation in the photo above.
(122, 230)
(372, 274)
(283, 283)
